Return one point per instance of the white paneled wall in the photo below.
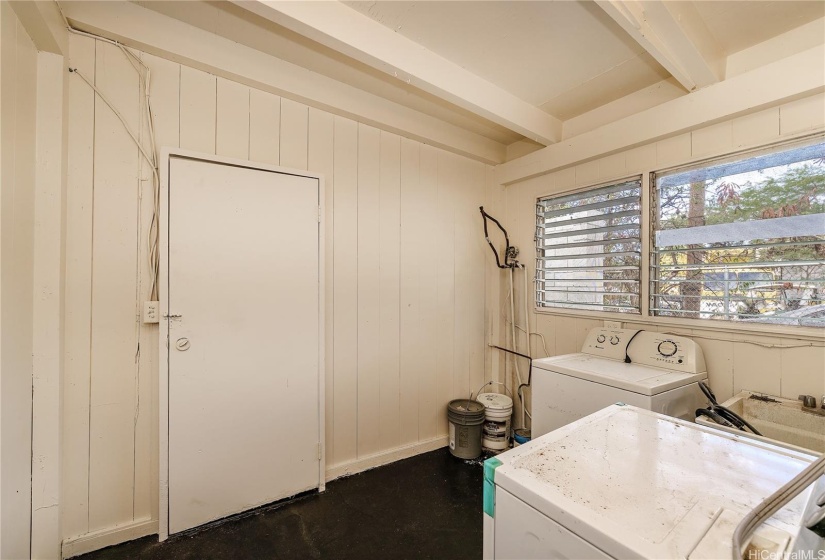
(18, 92)
(735, 363)
(407, 284)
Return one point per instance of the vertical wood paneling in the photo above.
(803, 372)
(461, 271)
(494, 359)
(165, 97)
(412, 264)
(388, 340)
(431, 408)
(477, 280)
(198, 99)
(719, 360)
(114, 285)
(755, 367)
(232, 120)
(321, 149)
(345, 390)
(18, 95)
(294, 117)
(369, 301)
(78, 321)
(265, 129)
(445, 278)
(396, 211)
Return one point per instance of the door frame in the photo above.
(166, 156)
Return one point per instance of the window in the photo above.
(742, 239)
(589, 248)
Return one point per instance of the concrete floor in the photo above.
(428, 506)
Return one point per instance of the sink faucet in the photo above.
(808, 401)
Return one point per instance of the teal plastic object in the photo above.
(490, 466)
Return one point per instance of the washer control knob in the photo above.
(614, 340)
(667, 348)
(600, 338)
(182, 344)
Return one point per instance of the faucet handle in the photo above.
(808, 401)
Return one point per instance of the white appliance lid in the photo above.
(644, 380)
(635, 483)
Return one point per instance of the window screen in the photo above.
(589, 248)
(742, 239)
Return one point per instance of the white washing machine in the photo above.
(662, 376)
(630, 483)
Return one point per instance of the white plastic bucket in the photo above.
(498, 409)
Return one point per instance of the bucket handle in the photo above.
(477, 393)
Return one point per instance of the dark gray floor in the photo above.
(428, 506)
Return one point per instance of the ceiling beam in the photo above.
(345, 30)
(44, 24)
(761, 88)
(163, 36)
(675, 35)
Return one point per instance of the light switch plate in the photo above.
(612, 324)
(151, 311)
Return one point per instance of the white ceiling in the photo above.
(566, 57)
(737, 25)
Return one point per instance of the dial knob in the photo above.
(667, 348)
(600, 338)
(614, 340)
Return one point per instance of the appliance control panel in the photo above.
(607, 343)
(678, 353)
(650, 348)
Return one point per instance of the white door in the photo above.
(243, 300)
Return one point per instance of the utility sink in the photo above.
(779, 420)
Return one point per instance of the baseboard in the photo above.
(89, 542)
(386, 457)
(107, 537)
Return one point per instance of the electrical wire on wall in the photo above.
(145, 77)
(151, 157)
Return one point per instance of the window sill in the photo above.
(757, 329)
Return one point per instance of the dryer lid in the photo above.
(639, 484)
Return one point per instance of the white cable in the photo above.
(513, 339)
(541, 336)
(526, 297)
(754, 343)
(515, 347)
(136, 63)
(119, 116)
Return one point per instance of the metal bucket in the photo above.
(465, 417)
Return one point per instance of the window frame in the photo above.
(646, 319)
(640, 311)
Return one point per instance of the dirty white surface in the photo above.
(635, 483)
(640, 379)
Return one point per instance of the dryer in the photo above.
(647, 369)
(630, 483)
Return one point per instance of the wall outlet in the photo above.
(612, 324)
(151, 311)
